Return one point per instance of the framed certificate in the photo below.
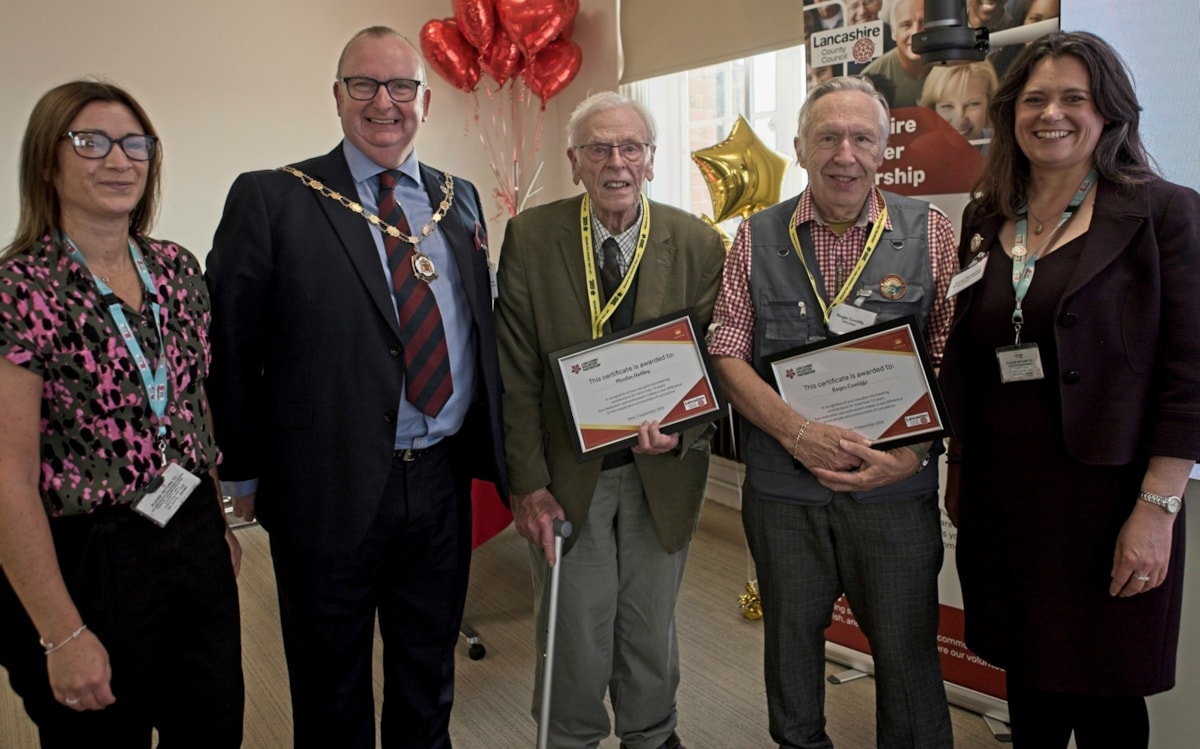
(658, 370)
(877, 381)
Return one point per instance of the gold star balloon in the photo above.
(743, 174)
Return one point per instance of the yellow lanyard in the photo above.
(601, 315)
(868, 249)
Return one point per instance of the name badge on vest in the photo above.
(166, 494)
(968, 276)
(847, 318)
(1020, 363)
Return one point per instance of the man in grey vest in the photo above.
(824, 513)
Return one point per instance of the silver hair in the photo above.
(844, 83)
(602, 102)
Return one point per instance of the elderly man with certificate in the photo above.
(593, 370)
(812, 303)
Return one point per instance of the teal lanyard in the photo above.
(1024, 261)
(154, 382)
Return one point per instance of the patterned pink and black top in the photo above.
(98, 432)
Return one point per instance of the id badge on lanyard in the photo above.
(1022, 362)
(840, 315)
(168, 491)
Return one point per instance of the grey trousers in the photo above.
(616, 624)
(885, 557)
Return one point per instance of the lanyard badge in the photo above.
(167, 492)
(841, 317)
(601, 313)
(1023, 361)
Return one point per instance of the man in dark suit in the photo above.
(569, 271)
(356, 392)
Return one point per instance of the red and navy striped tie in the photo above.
(426, 360)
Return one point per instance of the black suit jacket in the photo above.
(1127, 327)
(307, 363)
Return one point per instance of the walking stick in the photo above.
(562, 529)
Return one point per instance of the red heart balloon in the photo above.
(448, 52)
(572, 11)
(552, 69)
(476, 21)
(501, 58)
(532, 24)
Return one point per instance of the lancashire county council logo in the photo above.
(864, 50)
(575, 369)
(918, 419)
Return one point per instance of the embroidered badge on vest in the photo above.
(892, 286)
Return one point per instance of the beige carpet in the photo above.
(721, 702)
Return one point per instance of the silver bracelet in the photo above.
(51, 647)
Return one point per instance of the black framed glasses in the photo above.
(631, 153)
(93, 144)
(362, 88)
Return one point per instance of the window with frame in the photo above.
(697, 108)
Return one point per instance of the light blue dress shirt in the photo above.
(414, 428)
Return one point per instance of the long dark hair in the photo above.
(1119, 156)
(52, 115)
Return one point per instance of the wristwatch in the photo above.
(1170, 504)
(922, 456)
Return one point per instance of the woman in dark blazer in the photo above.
(1075, 396)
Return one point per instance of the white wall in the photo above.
(234, 85)
(1158, 41)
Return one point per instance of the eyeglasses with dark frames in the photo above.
(631, 153)
(362, 88)
(93, 144)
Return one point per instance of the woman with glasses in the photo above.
(118, 606)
